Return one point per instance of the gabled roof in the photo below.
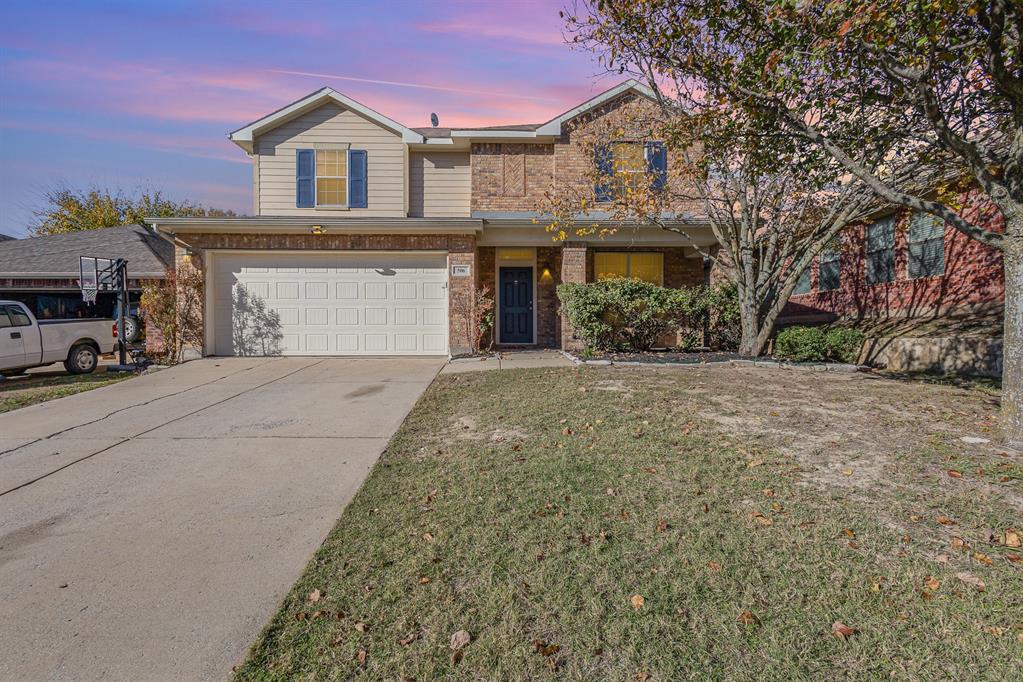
(56, 256)
(5, 237)
(243, 136)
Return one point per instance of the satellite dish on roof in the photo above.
(434, 120)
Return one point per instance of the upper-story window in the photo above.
(803, 283)
(926, 246)
(331, 178)
(880, 265)
(623, 165)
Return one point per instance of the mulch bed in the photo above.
(668, 357)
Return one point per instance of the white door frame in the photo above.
(209, 258)
(516, 263)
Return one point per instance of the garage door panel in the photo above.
(383, 303)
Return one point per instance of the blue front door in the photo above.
(516, 314)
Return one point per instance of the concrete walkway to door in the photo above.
(149, 529)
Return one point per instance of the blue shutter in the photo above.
(604, 157)
(305, 178)
(657, 163)
(357, 179)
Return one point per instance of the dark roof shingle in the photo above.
(147, 253)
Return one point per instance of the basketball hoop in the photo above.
(89, 294)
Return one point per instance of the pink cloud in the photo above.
(535, 23)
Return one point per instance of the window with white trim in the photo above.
(331, 177)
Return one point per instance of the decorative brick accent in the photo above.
(514, 156)
(488, 176)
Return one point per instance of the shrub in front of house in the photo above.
(724, 328)
(816, 344)
(630, 315)
(844, 344)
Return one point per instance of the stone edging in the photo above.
(807, 366)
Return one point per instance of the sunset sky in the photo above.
(123, 95)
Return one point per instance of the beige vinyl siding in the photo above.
(440, 184)
(323, 126)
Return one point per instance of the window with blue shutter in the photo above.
(305, 183)
(604, 157)
(657, 164)
(926, 246)
(357, 195)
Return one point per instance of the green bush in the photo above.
(844, 344)
(815, 344)
(802, 344)
(631, 315)
(724, 329)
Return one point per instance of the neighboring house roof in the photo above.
(243, 137)
(6, 237)
(56, 256)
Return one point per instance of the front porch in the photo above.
(523, 281)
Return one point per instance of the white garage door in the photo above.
(334, 303)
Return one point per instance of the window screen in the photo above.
(926, 246)
(829, 271)
(880, 266)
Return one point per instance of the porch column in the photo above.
(461, 288)
(573, 269)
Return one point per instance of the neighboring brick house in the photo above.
(43, 272)
(366, 231)
(907, 269)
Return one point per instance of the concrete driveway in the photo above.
(149, 529)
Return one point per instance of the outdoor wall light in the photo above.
(187, 256)
(545, 275)
(318, 229)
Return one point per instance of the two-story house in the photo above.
(364, 230)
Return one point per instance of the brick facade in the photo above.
(461, 251)
(973, 277)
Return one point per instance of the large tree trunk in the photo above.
(749, 323)
(1012, 339)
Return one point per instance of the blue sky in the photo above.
(142, 94)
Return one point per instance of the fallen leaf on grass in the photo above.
(428, 537)
(362, 657)
(971, 579)
(945, 521)
(754, 463)
(955, 474)
(842, 631)
(713, 565)
(459, 639)
(761, 518)
(768, 492)
(610, 492)
(409, 638)
(1011, 538)
(932, 583)
(994, 630)
(983, 558)
(545, 649)
(642, 676)
(958, 543)
(847, 472)
(849, 532)
(361, 627)
(313, 597)
(637, 601)
(662, 526)
(747, 618)
(424, 580)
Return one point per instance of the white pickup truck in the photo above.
(26, 342)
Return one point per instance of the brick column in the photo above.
(573, 269)
(462, 251)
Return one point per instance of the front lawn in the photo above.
(662, 524)
(31, 389)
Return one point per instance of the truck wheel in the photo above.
(132, 329)
(81, 360)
